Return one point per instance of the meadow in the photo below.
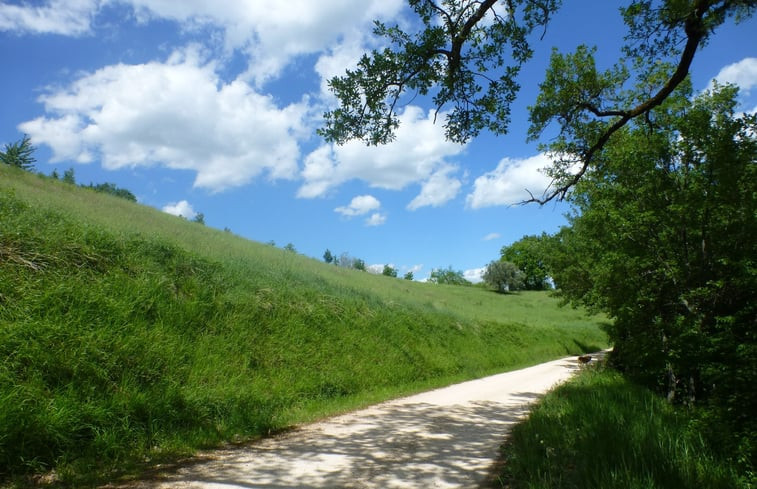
(129, 336)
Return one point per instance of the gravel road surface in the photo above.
(446, 438)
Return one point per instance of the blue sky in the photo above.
(212, 107)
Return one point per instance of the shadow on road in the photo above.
(404, 443)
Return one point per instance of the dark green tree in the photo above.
(529, 255)
(466, 55)
(409, 275)
(327, 256)
(358, 264)
(199, 218)
(19, 154)
(503, 276)
(448, 276)
(389, 271)
(290, 248)
(664, 240)
(68, 176)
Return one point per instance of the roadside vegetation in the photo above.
(600, 430)
(128, 335)
(663, 240)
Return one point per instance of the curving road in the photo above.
(446, 438)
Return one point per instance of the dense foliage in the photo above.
(664, 239)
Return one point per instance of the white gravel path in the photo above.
(446, 438)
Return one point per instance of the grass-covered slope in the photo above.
(126, 332)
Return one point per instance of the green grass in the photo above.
(128, 335)
(601, 431)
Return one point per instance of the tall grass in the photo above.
(601, 431)
(128, 334)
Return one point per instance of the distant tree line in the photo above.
(345, 260)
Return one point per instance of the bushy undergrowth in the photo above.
(117, 345)
(601, 431)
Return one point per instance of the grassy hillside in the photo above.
(127, 333)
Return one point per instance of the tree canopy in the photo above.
(466, 56)
(664, 240)
(529, 255)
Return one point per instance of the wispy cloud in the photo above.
(63, 17)
(376, 219)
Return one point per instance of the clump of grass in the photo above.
(601, 431)
(129, 335)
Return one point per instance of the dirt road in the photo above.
(439, 439)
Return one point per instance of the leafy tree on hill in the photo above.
(68, 176)
(19, 154)
(504, 276)
(448, 276)
(389, 271)
(528, 254)
(409, 275)
(327, 256)
(347, 261)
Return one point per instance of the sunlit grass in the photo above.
(127, 334)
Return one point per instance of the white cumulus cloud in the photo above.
(419, 152)
(178, 114)
(491, 237)
(474, 275)
(742, 73)
(362, 204)
(270, 33)
(510, 182)
(181, 208)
